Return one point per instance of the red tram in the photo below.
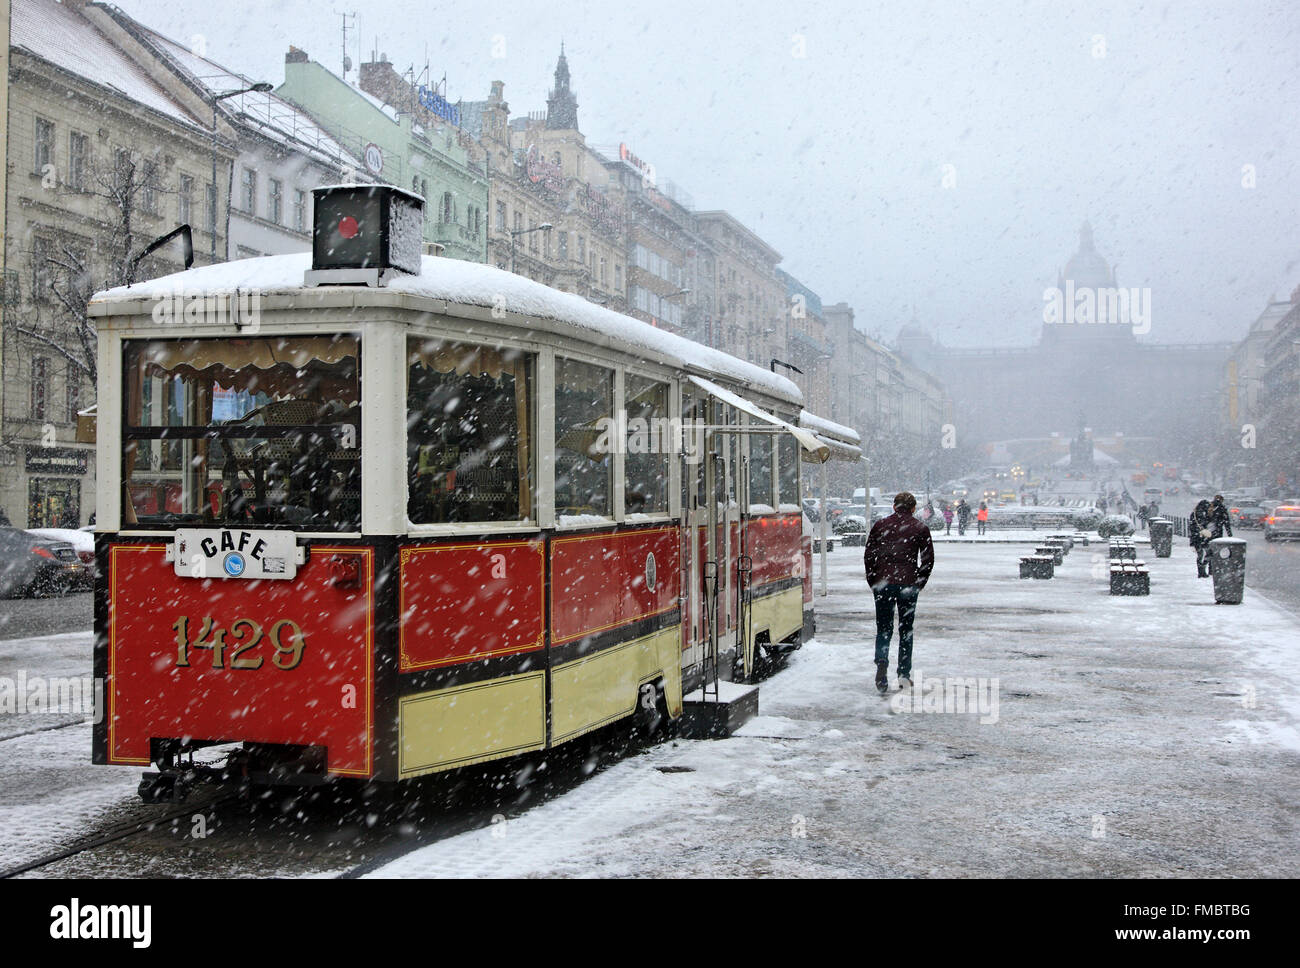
(375, 514)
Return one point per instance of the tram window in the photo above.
(243, 432)
(469, 433)
(787, 469)
(649, 442)
(724, 480)
(584, 419)
(694, 416)
(760, 470)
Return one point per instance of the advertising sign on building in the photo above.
(56, 460)
(438, 105)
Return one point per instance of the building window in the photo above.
(42, 251)
(532, 235)
(300, 210)
(501, 216)
(44, 144)
(618, 278)
(519, 222)
(40, 386)
(73, 387)
(248, 181)
(277, 198)
(582, 249)
(149, 182)
(564, 246)
(78, 154)
(123, 169)
(448, 208)
(185, 199)
(603, 280)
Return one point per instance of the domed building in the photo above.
(1088, 363)
(1087, 303)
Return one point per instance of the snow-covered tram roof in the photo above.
(456, 283)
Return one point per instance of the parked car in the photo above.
(1284, 522)
(853, 520)
(33, 565)
(1248, 515)
(83, 543)
(1153, 493)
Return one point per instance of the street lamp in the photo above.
(544, 227)
(261, 88)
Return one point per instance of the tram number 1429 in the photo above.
(245, 635)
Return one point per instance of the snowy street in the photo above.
(1123, 747)
(1107, 737)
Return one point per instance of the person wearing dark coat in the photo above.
(963, 516)
(1200, 530)
(1221, 518)
(899, 558)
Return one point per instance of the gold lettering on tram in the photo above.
(246, 635)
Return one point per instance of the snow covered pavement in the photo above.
(1101, 736)
(1137, 737)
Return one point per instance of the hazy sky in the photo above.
(826, 128)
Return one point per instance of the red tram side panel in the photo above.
(465, 602)
(605, 580)
(280, 662)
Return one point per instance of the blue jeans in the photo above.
(902, 597)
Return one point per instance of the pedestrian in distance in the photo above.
(898, 560)
(963, 516)
(1142, 516)
(1199, 532)
(947, 518)
(1222, 519)
(982, 517)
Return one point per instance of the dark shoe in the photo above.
(904, 682)
(882, 676)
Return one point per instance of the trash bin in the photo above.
(1162, 537)
(1228, 568)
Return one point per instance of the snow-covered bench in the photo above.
(1129, 576)
(1037, 566)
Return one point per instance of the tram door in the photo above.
(729, 544)
(695, 630)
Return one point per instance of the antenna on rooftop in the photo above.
(347, 61)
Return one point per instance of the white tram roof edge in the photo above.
(455, 282)
(828, 428)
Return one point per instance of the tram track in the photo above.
(42, 729)
(130, 829)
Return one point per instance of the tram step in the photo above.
(717, 719)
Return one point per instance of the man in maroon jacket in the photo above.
(898, 559)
